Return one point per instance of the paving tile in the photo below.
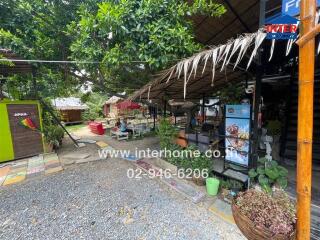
(77, 155)
(52, 162)
(2, 179)
(13, 180)
(223, 210)
(38, 157)
(14, 174)
(34, 165)
(4, 171)
(102, 144)
(53, 165)
(32, 175)
(17, 170)
(36, 169)
(49, 157)
(53, 170)
(19, 164)
(87, 160)
(68, 161)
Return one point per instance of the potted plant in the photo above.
(235, 186)
(200, 164)
(53, 136)
(269, 174)
(262, 216)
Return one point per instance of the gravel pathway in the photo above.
(97, 201)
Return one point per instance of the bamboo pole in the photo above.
(305, 120)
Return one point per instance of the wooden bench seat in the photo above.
(119, 135)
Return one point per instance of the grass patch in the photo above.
(73, 128)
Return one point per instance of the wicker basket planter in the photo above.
(251, 232)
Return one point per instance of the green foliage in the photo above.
(230, 184)
(268, 174)
(135, 38)
(190, 157)
(53, 134)
(37, 29)
(95, 104)
(6, 63)
(231, 94)
(166, 133)
(131, 38)
(199, 161)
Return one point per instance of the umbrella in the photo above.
(126, 104)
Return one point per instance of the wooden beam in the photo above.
(237, 15)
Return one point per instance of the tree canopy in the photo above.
(127, 40)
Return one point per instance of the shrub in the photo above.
(166, 133)
(268, 174)
(53, 134)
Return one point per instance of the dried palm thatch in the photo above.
(193, 76)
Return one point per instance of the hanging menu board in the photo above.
(238, 133)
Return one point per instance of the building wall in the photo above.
(71, 115)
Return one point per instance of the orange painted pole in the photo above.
(305, 120)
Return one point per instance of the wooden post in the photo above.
(305, 120)
(203, 113)
(257, 93)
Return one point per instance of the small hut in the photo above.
(110, 108)
(70, 109)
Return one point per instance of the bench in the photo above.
(119, 135)
(136, 133)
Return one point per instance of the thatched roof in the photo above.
(17, 68)
(204, 72)
(113, 100)
(240, 18)
(70, 103)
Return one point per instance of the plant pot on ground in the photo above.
(235, 186)
(48, 147)
(199, 180)
(53, 135)
(262, 216)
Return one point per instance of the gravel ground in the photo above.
(97, 201)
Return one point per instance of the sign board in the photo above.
(237, 141)
(292, 7)
(282, 27)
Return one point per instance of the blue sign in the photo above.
(292, 7)
(238, 111)
(282, 27)
(237, 141)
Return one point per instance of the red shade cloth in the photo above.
(126, 104)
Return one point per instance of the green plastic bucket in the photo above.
(212, 186)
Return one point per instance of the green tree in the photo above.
(36, 29)
(133, 39)
(130, 39)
